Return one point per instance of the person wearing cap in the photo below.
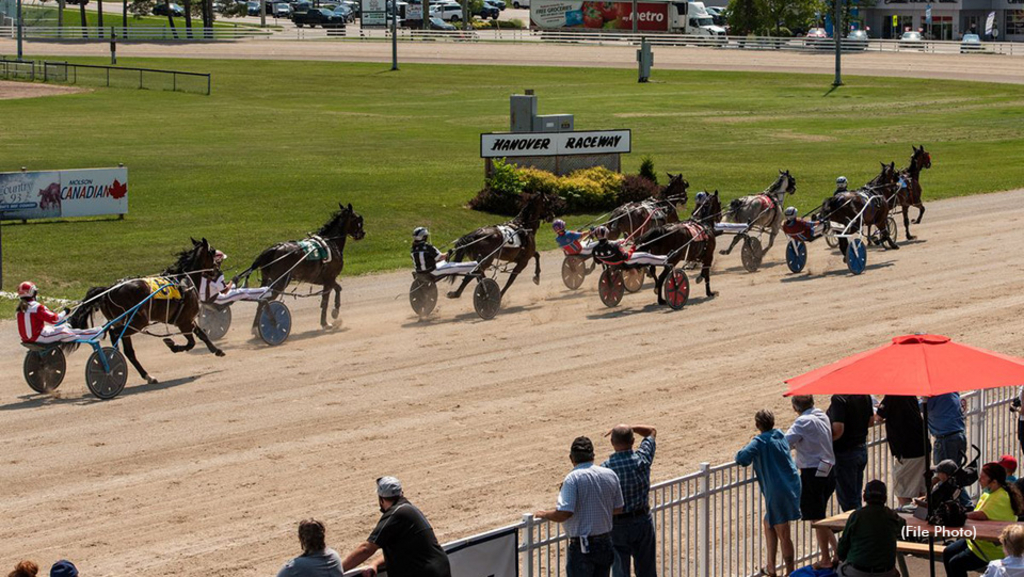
(850, 417)
(867, 547)
(944, 486)
(633, 537)
(946, 424)
(810, 437)
(800, 228)
(1012, 539)
(589, 499)
(1000, 501)
(905, 436)
(213, 289)
(1009, 462)
(63, 568)
(570, 241)
(427, 259)
(841, 185)
(38, 325)
(405, 536)
(317, 560)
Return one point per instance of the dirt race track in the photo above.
(207, 472)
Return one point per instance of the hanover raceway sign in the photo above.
(499, 145)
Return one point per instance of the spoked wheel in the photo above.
(796, 255)
(423, 296)
(830, 239)
(677, 289)
(44, 370)
(611, 287)
(275, 323)
(893, 228)
(215, 320)
(574, 270)
(106, 380)
(856, 256)
(633, 279)
(751, 254)
(487, 298)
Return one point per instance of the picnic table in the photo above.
(983, 530)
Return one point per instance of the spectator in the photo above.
(944, 487)
(1009, 462)
(780, 485)
(904, 432)
(410, 547)
(589, 498)
(946, 424)
(633, 529)
(317, 560)
(63, 568)
(811, 438)
(850, 416)
(1012, 565)
(999, 502)
(868, 545)
(1015, 407)
(24, 569)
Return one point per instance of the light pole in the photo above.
(21, 32)
(837, 33)
(394, 34)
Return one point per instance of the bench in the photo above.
(904, 548)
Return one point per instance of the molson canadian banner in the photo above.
(63, 193)
(557, 14)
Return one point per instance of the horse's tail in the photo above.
(261, 261)
(458, 252)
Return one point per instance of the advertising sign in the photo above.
(374, 14)
(990, 23)
(63, 193)
(501, 145)
(558, 14)
(928, 14)
(493, 554)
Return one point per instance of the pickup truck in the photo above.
(318, 17)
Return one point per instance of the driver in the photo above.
(427, 259)
(611, 253)
(37, 324)
(569, 241)
(216, 290)
(840, 185)
(799, 228)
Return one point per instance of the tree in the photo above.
(170, 18)
(743, 17)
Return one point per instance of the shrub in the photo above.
(636, 187)
(647, 169)
(502, 192)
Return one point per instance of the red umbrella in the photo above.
(913, 365)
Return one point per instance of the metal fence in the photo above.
(137, 33)
(106, 76)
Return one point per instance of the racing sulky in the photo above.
(867, 204)
(762, 211)
(657, 210)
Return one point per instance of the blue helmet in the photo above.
(558, 225)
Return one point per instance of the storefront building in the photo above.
(950, 19)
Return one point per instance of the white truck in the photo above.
(652, 16)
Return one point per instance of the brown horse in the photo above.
(865, 207)
(654, 211)
(910, 194)
(290, 261)
(182, 312)
(512, 242)
(691, 241)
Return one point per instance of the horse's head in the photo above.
(921, 158)
(344, 222)
(708, 208)
(785, 183)
(675, 191)
(196, 260)
(541, 206)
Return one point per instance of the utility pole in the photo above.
(263, 13)
(21, 32)
(633, 16)
(837, 32)
(394, 34)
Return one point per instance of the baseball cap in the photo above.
(1009, 463)
(947, 466)
(63, 568)
(875, 491)
(389, 487)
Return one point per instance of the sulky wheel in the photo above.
(487, 298)
(611, 287)
(106, 373)
(830, 239)
(856, 256)
(796, 255)
(633, 279)
(751, 254)
(677, 289)
(574, 270)
(44, 370)
(275, 323)
(892, 228)
(423, 295)
(215, 320)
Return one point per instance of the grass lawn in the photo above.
(278, 145)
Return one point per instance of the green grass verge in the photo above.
(279, 144)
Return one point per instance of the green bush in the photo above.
(647, 169)
(502, 192)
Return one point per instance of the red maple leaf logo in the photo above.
(118, 190)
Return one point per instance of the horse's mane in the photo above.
(182, 263)
(335, 217)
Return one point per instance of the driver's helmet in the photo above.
(790, 212)
(601, 233)
(701, 197)
(219, 257)
(420, 234)
(27, 290)
(841, 182)
(558, 225)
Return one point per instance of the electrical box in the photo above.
(553, 123)
(523, 110)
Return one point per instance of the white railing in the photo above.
(139, 33)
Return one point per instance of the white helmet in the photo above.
(219, 257)
(841, 181)
(420, 234)
(791, 212)
(601, 232)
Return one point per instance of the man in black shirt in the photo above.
(905, 435)
(410, 547)
(851, 416)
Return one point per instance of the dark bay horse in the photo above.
(183, 313)
(910, 194)
(690, 241)
(654, 211)
(763, 210)
(288, 261)
(512, 242)
(865, 207)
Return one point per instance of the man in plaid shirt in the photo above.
(633, 529)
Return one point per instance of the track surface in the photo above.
(207, 472)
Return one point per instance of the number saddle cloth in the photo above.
(511, 236)
(315, 249)
(165, 288)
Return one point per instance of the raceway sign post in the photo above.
(64, 193)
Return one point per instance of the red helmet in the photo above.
(218, 257)
(27, 290)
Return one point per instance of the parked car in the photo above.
(520, 3)
(449, 11)
(499, 3)
(857, 40)
(162, 9)
(911, 40)
(282, 10)
(971, 43)
(318, 17)
(817, 33)
(717, 15)
(345, 12)
(77, 2)
(488, 10)
(438, 24)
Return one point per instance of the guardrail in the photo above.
(136, 33)
(108, 76)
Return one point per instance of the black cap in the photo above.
(875, 492)
(947, 466)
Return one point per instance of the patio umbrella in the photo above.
(913, 365)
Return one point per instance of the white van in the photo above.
(520, 3)
(449, 11)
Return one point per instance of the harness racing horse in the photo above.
(868, 203)
(290, 261)
(512, 242)
(762, 210)
(654, 211)
(181, 311)
(689, 241)
(910, 195)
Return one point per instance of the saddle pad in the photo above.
(697, 232)
(766, 202)
(167, 293)
(511, 236)
(315, 249)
